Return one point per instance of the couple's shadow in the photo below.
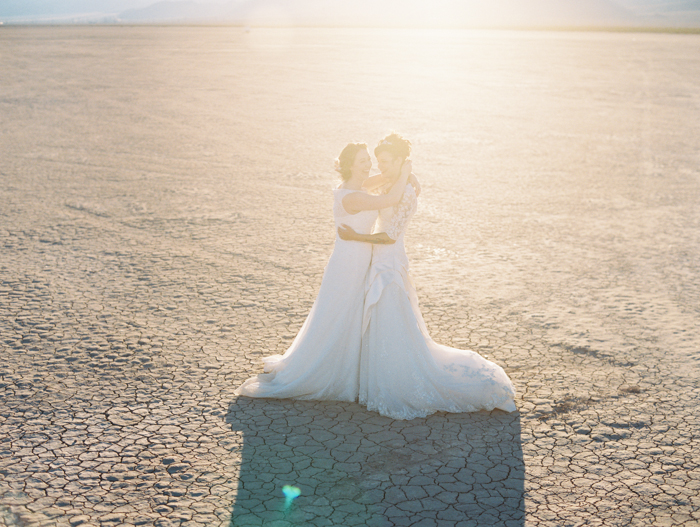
(354, 467)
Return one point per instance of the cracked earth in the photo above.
(165, 221)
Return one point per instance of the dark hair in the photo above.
(396, 145)
(347, 158)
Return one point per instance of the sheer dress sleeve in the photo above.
(402, 213)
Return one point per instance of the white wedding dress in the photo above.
(323, 361)
(404, 374)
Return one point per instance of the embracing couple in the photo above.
(365, 339)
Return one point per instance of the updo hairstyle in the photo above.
(347, 158)
(396, 145)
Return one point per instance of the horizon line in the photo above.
(554, 28)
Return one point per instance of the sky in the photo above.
(420, 13)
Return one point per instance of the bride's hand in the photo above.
(413, 180)
(346, 233)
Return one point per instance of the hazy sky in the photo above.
(116, 6)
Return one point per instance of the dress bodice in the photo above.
(362, 222)
(389, 261)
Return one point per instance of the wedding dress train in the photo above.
(404, 374)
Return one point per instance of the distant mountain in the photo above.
(52, 8)
(173, 11)
(370, 13)
(440, 13)
(660, 6)
(674, 13)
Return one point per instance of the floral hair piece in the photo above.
(385, 142)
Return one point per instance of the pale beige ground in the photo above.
(165, 221)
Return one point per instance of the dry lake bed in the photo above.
(165, 219)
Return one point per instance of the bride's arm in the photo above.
(414, 181)
(373, 182)
(359, 201)
(377, 181)
(349, 234)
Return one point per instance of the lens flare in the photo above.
(290, 493)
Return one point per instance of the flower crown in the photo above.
(385, 142)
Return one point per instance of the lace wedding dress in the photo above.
(404, 374)
(323, 361)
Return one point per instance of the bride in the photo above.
(323, 361)
(404, 374)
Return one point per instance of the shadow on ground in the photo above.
(354, 467)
